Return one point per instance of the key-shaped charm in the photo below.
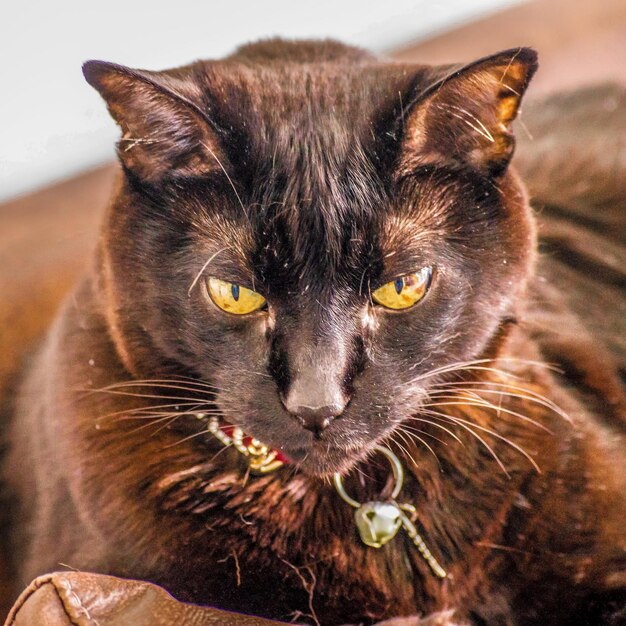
(411, 531)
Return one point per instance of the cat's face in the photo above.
(288, 235)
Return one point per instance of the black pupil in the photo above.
(234, 289)
(399, 285)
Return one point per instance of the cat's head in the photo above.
(314, 232)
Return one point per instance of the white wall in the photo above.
(52, 124)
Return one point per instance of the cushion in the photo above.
(83, 599)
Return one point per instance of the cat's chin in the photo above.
(324, 462)
(320, 459)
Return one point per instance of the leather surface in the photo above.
(82, 599)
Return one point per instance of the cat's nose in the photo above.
(316, 418)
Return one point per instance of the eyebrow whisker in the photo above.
(197, 278)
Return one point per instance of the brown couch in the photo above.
(82, 599)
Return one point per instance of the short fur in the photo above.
(314, 173)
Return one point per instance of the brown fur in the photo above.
(521, 548)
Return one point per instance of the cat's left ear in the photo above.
(466, 117)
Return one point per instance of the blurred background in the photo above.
(54, 125)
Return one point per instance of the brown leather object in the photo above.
(82, 599)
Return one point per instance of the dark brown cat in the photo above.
(331, 252)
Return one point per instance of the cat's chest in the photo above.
(276, 545)
(337, 582)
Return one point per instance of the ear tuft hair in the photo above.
(164, 133)
(466, 117)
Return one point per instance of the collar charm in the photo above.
(378, 522)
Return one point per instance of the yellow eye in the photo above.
(234, 298)
(405, 291)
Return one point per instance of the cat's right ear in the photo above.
(466, 116)
(164, 134)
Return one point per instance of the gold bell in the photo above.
(378, 522)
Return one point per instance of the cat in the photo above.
(331, 252)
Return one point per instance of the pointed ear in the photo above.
(164, 134)
(466, 116)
